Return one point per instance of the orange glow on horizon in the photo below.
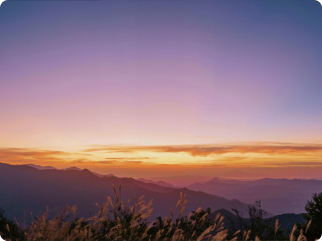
(256, 160)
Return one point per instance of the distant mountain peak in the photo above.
(72, 168)
(110, 175)
(87, 171)
(41, 167)
(215, 179)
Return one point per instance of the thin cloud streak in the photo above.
(207, 150)
(111, 162)
(28, 155)
(129, 158)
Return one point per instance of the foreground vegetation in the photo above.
(120, 221)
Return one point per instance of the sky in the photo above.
(163, 89)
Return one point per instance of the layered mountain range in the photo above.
(278, 196)
(25, 189)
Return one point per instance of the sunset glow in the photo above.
(162, 89)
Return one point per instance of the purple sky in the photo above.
(87, 73)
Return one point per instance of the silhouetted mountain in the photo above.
(72, 168)
(41, 167)
(286, 220)
(101, 175)
(223, 180)
(223, 212)
(66, 169)
(160, 183)
(278, 195)
(25, 189)
(215, 179)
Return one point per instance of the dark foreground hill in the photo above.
(278, 196)
(286, 220)
(24, 189)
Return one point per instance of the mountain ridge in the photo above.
(26, 189)
(286, 220)
(278, 195)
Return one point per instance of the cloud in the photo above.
(216, 165)
(280, 155)
(129, 158)
(293, 163)
(206, 150)
(85, 161)
(116, 162)
(30, 152)
(50, 157)
(26, 155)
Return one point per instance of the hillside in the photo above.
(286, 220)
(25, 189)
(278, 195)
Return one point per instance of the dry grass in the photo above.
(131, 223)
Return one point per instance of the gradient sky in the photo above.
(137, 88)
